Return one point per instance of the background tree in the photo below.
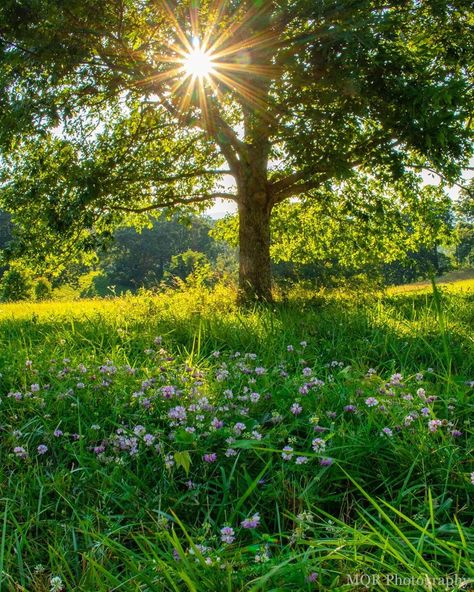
(464, 211)
(115, 107)
(140, 259)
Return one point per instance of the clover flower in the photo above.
(296, 409)
(326, 462)
(227, 535)
(318, 444)
(252, 522)
(20, 452)
(371, 402)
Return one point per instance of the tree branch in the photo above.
(430, 170)
(177, 200)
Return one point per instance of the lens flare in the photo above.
(198, 63)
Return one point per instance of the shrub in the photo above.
(43, 289)
(15, 286)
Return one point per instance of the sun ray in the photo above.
(212, 59)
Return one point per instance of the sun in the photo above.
(198, 62)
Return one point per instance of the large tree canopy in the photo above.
(103, 112)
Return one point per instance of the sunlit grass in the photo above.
(117, 520)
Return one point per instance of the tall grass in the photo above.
(390, 511)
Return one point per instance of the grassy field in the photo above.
(175, 442)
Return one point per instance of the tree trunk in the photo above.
(255, 278)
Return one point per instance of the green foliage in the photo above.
(42, 289)
(191, 266)
(15, 285)
(315, 90)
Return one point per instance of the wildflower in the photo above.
(326, 462)
(304, 390)
(178, 413)
(289, 348)
(350, 408)
(28, 364)
(20, 452)
(254, 397)
(396, 379)
(307, 371)
(434, 424)
(456, 433)
(210, 458)
(425, 411)
(42, 449)
(169, 461)
(472, 478)
(421, 393)
(303, 344)
(17, 396)
(56, 584)
(168, 391)
(217, 424)
(318, 444)
(287, 453)
(371, 402)
(252, 522)
(95, 427)
(227, 535)
(148, 439)
(313, 576)
(301, 460)
(230, 452)
(387, 432)
(296, 409)
(239, 427)
(34, 388)
(57, 433)
(256, 435)
(371, 372)
(190, 485)
(259, 371)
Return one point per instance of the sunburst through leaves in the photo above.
(208, 59)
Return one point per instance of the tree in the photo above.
(464, 209)
(140, 259)
(119, 107)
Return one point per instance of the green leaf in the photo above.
(183, 459)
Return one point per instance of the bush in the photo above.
(43, 289)
(15, 286)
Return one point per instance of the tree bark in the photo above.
(255, 280)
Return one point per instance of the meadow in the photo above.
(176, 442)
